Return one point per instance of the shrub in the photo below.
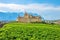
(29, 31)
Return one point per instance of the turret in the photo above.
(26, 15)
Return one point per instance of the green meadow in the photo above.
(30, 31)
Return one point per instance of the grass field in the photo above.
(30, 31)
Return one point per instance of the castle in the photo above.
(29, 18)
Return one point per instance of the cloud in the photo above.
(35, 8)
(48, 11)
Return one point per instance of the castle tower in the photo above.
(26, 15)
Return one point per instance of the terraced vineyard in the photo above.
(30, 31)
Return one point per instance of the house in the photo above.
(57, 22)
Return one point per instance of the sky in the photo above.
(48, 9)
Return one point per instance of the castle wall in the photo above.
(29, 20)
(35, 20)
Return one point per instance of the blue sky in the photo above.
(48, 9)
(54, 2)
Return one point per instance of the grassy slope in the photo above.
(28, 31)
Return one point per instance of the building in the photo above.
(57, 22)
(29, 18)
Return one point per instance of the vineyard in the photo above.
(30, 31)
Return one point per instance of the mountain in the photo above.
(4, 16)
(8, 16)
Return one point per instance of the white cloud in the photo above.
(48, 11)
(35, 8)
